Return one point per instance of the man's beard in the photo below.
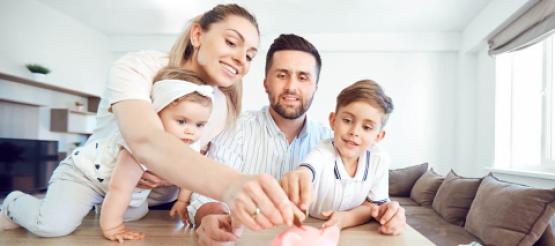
(288, 112)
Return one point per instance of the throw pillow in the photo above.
(454, 197)
(425, 188)
(504, 213)
(402, 180)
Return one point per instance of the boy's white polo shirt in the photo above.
(334, 189)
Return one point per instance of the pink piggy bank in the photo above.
(307, 236)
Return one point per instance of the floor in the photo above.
(161, 229)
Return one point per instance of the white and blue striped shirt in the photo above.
(255, 145)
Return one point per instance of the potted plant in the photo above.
(38, 71)
(79, 106)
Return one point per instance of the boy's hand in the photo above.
(335, 218)
(297, 184)
(180, 208)
(391, 217)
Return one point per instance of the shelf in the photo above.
(43, 85)
(72, 121)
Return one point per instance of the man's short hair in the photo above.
(293, 42)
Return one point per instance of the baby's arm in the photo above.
(125, 176)
(180, 206)
(356, 216)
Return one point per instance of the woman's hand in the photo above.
(258, 202)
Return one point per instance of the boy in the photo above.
(349, 173)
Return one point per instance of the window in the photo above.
(525, 110)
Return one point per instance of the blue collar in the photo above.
(367, 166)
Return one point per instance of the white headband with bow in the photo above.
(166, 91)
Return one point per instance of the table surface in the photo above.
(161, 229)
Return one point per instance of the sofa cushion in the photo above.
(504, 213)
(401, 180)
(454, 197)
(433, 227)
(425, 188)
(404, 201)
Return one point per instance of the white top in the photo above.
(255, 145)
(334, 189)
(131, 78)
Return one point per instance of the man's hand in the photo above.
(149, 180)
(216, 229)
(297, 184)
(391, 217)
(180, 208)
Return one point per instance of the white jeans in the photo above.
(69, 198)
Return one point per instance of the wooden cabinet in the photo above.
(71, 121)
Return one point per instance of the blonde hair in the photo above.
(183, 50)
(178, 73)
(366, 91)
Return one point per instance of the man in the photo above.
(273, 140)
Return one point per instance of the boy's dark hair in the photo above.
(293, 42)
(366, 91)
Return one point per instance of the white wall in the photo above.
(418, 70)
(475, 114)
(78, 56)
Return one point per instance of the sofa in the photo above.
(454, 210)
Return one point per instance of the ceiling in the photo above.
(160, 17)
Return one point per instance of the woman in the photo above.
(218, 47)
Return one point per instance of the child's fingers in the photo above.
(133, 235)
(306, 190)
(327, 213)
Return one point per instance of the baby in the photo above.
(183, 105)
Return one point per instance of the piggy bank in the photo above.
(306, 236)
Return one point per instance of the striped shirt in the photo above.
(255, 145)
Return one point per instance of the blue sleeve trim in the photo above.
(311, 168)
(379, 202)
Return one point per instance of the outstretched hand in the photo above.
(297, 184)
(258, 202)
(120, 234)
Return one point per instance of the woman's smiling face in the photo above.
(224, 52)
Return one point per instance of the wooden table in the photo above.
(161, 229)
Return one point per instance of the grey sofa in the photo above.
(453, 210)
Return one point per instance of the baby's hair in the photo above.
(366, 91)
(183, 74)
